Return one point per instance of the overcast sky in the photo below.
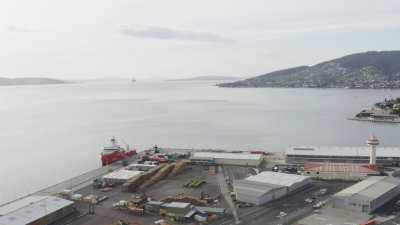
(161, 39)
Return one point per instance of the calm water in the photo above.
(50, 133)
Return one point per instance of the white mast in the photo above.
(372, 143)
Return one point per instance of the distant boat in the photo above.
(133, 80)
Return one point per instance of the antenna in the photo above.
(127, 145)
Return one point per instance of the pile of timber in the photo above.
(133, 184)
(179, 167)
(161, 174)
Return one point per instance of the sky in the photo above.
(163, 39)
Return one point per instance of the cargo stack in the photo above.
(133, 185)
(162, 173)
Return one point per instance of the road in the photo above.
(226, 194)
(294, 205)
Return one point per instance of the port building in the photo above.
(36, 210)
(367, 195)
(121, 176)
(340, 171)
(222, 158)
(177, 210)
(267, 186)
(300, 155)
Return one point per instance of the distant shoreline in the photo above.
(207, 78)
(366, 70)
(30, 81)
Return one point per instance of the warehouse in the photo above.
(368, 195)
(384, 155)
(268, 186)
(36, 210)
(176, 210)
(219, 158)
(121, 176)
(340, 171)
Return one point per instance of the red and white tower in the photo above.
(372, 143)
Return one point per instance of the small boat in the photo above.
(115, 152)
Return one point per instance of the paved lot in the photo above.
(294, 205)
(173, 186)
(105, 214)
(334, 216)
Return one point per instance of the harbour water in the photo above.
(54, 132)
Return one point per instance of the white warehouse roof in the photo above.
(12, 206)
(267, 186)
(278, 179)
(181, 205)
(31, 209)
(223, 155)
(122, 174)
(342, 151)
(371, 188)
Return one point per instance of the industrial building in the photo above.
(370, 154)
(121, 176)
(35, 210)
(177, 210)
(222, 158)
(300, 155)
(368, 195)
(340, 171)
(268, 186)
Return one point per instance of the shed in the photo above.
(368, 195)
(121, 176)
(212, 210)
(41, 210)
(153, 206)
(224, 158)
(177, 210)
(339, 154)
(340, 171)
(268, 186)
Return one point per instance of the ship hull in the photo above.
(107, 159)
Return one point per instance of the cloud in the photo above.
(171, 34)
(18, 29)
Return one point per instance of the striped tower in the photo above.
(372, 143)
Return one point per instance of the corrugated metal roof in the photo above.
(221, 155)
(371, 188)
(122, 174)
(279, 179)
(340, 167)
(255, 187)
(211, 209)
(342, 151)
(176, 205)
(34, 210)
(20, 203)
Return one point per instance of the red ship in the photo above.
(115, 153)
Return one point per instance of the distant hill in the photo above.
(207, 78)
(29, 81)
(362, 70)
